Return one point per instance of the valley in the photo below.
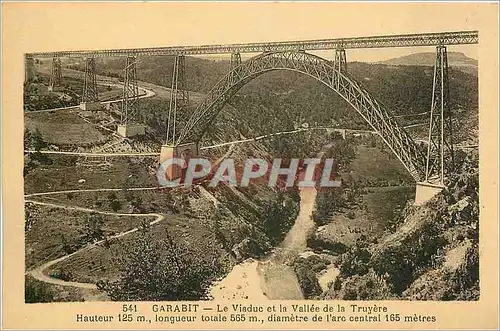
(99, 227)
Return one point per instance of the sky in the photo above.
(129, 25)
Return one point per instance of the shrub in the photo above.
(369, 286)
(306, 270)
(35, 291)
(161, 270)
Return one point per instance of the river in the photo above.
(271, 277)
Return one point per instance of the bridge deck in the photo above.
(405, 40)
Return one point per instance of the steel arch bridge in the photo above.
(328, 73)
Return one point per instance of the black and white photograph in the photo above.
(108, 219)
(250, 165)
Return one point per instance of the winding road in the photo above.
(230, 143)
(39, 273)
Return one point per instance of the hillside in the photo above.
(455, 59)
(286, 99)
(431, 252)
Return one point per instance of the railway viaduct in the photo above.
(430, 168)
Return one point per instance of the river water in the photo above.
(270, 277)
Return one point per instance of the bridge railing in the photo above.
(402, 40)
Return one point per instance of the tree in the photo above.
(328, 201)
(37, 140)
(114, 202)
(66, 246)
(278, 217)
(93, 228)
(153, 269)
(35, 291)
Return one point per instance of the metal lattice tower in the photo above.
(179, 97)
(29, 69)
(90, 93)
(440, 158)
(340, 62)
(56, 76)
(130, 91)
(235, 60)
(339, 65)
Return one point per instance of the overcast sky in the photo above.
(129, 25)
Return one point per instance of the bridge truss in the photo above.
(403, 40)
(322, 70)
(430, 166)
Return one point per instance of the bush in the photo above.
(405, 262)
(369, 286)
(35, 291)
(356, 261)
(328, 201)
(93, 228)
(464, 283)
(161, 270)
(279, 216)
(115, 205)
(62, 274)
(306, 270)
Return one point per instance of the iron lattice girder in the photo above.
(56, 76)
(322, 70)
(90, 93)
(439, 159)
(130, 91)
(405, 40)
(179, 97)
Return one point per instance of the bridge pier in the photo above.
(340, 62)
(29, 69)
(128, 106)
(184, 151)
(91, 106)
(426, 191)
(179, 98)
(439, 158)
(235, 60)
(131, 130)
(56, 76)
(130, 91)
(90, 95)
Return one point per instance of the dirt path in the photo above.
(93, 190)
(90, 154)
(39, 273)
(103, 80)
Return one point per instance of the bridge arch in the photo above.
(372, 111)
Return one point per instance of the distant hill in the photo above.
(455, 59)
